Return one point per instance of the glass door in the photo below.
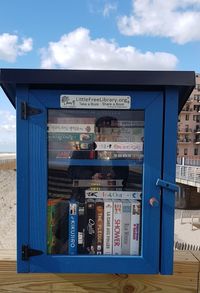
(94, 174)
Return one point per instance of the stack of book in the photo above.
(106, 223)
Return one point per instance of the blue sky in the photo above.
(99, 34)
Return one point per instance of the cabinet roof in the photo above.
(10, 79)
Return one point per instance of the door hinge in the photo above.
(28, 252)
(167, 185)
(28, 111)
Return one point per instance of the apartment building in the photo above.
(188, 152)
(188, 143)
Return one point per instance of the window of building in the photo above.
(185, 152)
(197, 98)
(196, 118)
(196, 152)
(187, 117)
(198, 87)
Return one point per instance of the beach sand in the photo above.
(183, 232)
(7, 209)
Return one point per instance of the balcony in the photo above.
(184, 141)
(186, 110)
(185, 130)
(197, 130)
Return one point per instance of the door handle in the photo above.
(153, 202)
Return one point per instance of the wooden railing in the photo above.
(185, 279)
(7, 164)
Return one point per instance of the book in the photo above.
(97, 183)
(81, 228)
(108, 227)
(99, 216)
(90, 227)
(71, 128)
(107, 194)
(126, 227)
(57, 226)
(73, 227)
(119, 146)
(117, 227)
(135, 228)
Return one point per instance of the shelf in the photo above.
(74, 162)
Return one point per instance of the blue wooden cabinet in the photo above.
(96, 154)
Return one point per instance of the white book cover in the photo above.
(107, 194)
(72, 128)
(126, 227)
(118, 146)
(108, 227)
(117, 228)
(135, 228)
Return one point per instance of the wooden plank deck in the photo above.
(185, 279)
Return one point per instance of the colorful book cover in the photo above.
(99, 209)
(51, 241)
(81, 228)
(90, 227)
(108, 227)
(57, 230)
(73, 227)
(135, 228)
(117, 227)
(126, 227)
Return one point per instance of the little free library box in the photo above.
(96, 155)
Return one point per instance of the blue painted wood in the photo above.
(148, 262)
(169, 174)
(38, 176)
(152, 171)
(22, 181)
(91, 264)
(51, 98)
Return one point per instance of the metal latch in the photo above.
(167, 185)
(28, 252)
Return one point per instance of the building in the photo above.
(188, 152)
(188, 144)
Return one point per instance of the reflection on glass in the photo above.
(95, 170)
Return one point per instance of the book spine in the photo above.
(135, 228)
(51, 214)
(61, 226)
(81, 228)
(90, 227)
(99, 227)
(73, 227)
(117, 227)
(126, 226)
(114, 195)
(108, 227)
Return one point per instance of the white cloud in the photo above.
(7, 131)
(175, 19)
(108, 8)
(77, 50)
(7, 122)
(11, 47)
